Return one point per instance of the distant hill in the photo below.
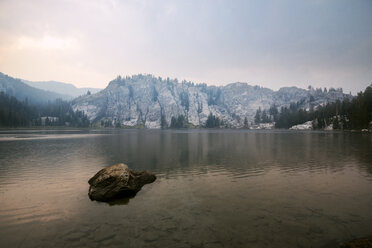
(15, 87)
(61, 88)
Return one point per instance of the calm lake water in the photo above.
(218, 188)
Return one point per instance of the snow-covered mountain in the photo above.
(145, 100)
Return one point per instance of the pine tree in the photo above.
(212, 121)
(163, 122)
(336, 124)
(257, 117)
(245, 122)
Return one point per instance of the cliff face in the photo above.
(145, 100)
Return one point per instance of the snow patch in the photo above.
(305, 126)
(263, 126)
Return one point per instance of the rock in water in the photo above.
(117, 181)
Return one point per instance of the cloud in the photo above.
(268, 42)
(46, 42)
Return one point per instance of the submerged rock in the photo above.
(117, 181)
(358, 243)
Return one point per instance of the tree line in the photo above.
(182, 122)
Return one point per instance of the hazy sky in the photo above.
(268, 43)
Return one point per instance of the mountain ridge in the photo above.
(15, 87)
(66, 89)
(145, 100)
(151, 102)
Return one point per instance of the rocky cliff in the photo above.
(144, 100)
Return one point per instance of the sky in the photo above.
(268, 43)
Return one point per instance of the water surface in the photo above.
(218, 188)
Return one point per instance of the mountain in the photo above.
(68, 90)
(144, 100)
(21, 91)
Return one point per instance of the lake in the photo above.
(214, 188)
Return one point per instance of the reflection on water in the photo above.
(222, 188)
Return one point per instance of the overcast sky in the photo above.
(267, 43)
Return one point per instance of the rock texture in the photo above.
(117, 181)
(358, 243)
(144, 101)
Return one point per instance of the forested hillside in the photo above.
(346, 114)
(14, 113)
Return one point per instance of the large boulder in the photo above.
(117, 181)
